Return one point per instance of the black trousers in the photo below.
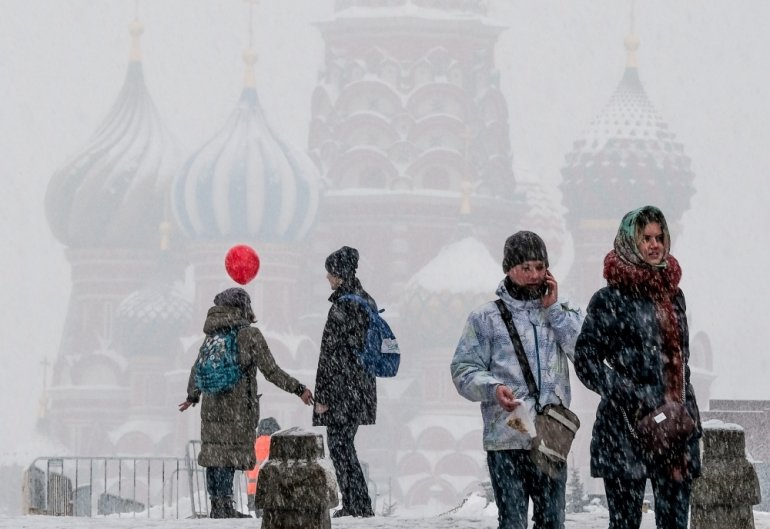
(350, 477)
(625, 498)
(219, 482)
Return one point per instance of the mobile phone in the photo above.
(543, 289)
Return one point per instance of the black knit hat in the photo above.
(235, 297)
(343, 263)
(523, 246)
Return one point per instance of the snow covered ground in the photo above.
(587, 520)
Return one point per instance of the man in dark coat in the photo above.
(229, 420)
(346, 394)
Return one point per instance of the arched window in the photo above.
(372, 177)
(436, 178)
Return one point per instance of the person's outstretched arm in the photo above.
(271, 370)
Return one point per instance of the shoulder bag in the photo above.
(664, 429)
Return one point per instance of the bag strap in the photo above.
(363, 302)
(520, 354)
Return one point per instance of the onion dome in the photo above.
(148, 321)
(112, 192)
(627, 157)
(441, 294)
(245, 182)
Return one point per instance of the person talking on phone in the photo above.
(485, 369)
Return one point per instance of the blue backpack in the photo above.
(217, 369)
(381, 355)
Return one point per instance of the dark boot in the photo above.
(223, 508)
(237, 514)
(219, 507)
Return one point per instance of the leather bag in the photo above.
(667, 427)
(555, 424)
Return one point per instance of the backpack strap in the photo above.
(520, 354)
(361, 301)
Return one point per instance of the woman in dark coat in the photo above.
(229, 420)
(345, 393)
(633, 351)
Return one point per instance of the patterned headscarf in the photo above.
(629, 233)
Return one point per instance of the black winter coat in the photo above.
(622, 330)
(341, 382)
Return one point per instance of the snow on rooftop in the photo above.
(412, 11)
(716, 424)
(463, 266)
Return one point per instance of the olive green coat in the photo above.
(229, 420)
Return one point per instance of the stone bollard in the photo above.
(723, 496)
(295, 488)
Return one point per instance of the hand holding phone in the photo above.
(550, 289)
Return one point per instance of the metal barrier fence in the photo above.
(148, 487)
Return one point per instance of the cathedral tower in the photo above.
(407, 112)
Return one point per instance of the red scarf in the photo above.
(661, 285)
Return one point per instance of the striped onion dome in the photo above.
(246, 182)
(628, 153)
(112, 192)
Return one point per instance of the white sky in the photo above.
(704, 66)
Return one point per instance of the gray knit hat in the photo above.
(523, 246)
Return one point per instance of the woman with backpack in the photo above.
(230, 407)
(346, 394)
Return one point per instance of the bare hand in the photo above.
(320, 409)
(186, 404)
(307, 397)
(552, 294)
(505, 398)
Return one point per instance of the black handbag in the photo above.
(555, 424)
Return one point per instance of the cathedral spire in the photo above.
(135, 28)
(631, 41)
(250, 54)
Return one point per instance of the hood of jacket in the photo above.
(224, 318)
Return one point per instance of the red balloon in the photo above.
(242, 263)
